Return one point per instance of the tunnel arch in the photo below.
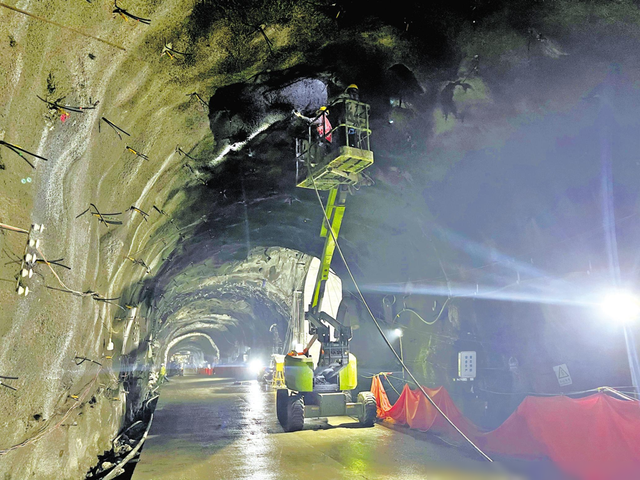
(233, 305)
(175, 341)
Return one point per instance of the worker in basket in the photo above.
(321, 123)
(351, 114)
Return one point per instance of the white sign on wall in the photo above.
(467, 365)
(562, 373)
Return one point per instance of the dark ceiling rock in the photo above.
(239, 112)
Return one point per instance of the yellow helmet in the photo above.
(353, 85)
(323, 109)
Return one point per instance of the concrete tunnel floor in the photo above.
(213, 428)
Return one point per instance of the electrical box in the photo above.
(467, 365)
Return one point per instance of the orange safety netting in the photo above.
(592, 438)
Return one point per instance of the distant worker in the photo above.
(163, 373)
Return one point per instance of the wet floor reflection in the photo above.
(258, 451)
(207, 428)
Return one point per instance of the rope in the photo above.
(375, 321)
(616, 391)
(389, 382)
(385, 375)
(627, 395)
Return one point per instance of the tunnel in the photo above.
(160, 247)
(204, 351)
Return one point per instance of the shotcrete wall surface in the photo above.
(126, 80)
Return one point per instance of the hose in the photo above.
(118, 469)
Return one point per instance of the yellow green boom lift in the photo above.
(330, 161)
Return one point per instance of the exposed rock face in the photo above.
(239, 112)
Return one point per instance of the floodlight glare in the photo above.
(621, 306)
(255, 366)
(398, 332)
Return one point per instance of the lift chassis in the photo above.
(333, 166)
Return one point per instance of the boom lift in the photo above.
(320, 387)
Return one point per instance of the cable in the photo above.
(384, 301)
(81, 294)
(406, 309)
(75, 292)
(618, 393)
(46, 431)
(394, 388)
(375, 321)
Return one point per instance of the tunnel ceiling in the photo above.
(494, 124)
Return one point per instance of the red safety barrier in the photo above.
(591, 438)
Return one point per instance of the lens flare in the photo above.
(620, 306)
(255, 366)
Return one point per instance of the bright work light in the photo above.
(255, 366)
(621, 306)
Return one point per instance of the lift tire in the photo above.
(295, 414)
(369, 409)
(282, 406)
